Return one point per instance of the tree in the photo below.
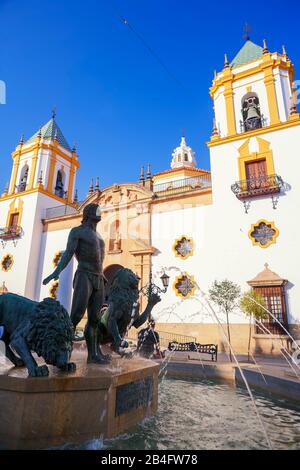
(225, 294)
(253, 305)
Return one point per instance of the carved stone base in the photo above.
(95, 401)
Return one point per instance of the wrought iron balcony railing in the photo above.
(258, 186)
(11, 233)
(263, 122)
(61, 193)
(21, 187)
(60, 211)
(182, 185)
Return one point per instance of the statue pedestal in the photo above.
(94, 401)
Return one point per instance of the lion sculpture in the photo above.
(122, 310)
(43, 327)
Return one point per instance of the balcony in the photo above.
(21, 187)
(255, 124)
(258, 186)
(182, 185)
(60, 211)
(61, 193)
(11, 233)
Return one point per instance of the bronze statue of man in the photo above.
(88, 247)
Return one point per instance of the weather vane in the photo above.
(53, 111)
(247, 31)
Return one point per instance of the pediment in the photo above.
(118, 194)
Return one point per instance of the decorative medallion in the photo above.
(7, 262)
(54, 290)
(263, 233)
(183, 247)
(184, 285)
(57, 258)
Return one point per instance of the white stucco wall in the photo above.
(22, 277)
(53, 242)
(223, 248)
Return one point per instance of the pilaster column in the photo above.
(13, 180)
(269, 82)
(71, 184)
(33, 166)
(230, 114)
(51, 172)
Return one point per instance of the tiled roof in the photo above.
(197, 170)
(249, 52)
(266, 277)
(49, 130)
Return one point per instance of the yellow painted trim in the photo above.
(14, 174)
(71, 183)
(178, 172)
(178, 255)
(15, 210)
(73, 159)
(183, 172)
(50, 146)
(51, 173)
(39, 189)
(12, 259)
(253, 226)
(221, 77)
(264, 153)
(229, 104)
(269, 82)
(294, 117)
(256, 132)
(33, 168)
(178, 293)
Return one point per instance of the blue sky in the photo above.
(113, 97)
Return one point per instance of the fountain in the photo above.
(88, 407)
(81, 400)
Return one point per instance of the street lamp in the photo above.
(151, 288)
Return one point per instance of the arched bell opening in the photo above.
(252, 118)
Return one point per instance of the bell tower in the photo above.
(254, 90)
(44, 163)
(43, 176)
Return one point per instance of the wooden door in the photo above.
(14, 220)
(256, 174)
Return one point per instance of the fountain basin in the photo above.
(94, 402)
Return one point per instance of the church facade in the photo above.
(237, 221)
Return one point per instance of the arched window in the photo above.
(23, 178)
(186, 158)
(59, 186)
(252, 118)
(114, 236)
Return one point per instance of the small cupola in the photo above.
(183, 156)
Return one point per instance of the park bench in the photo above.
(211, 349)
